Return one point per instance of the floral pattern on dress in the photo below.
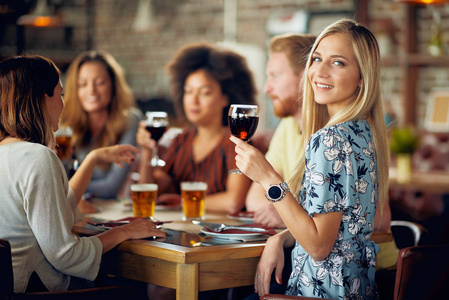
(340, 176)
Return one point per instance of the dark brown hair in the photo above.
(24, 82)
(227, 67)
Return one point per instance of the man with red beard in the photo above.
(285, 69)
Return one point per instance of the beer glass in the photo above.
(63, 136)
(156, 122)
(243, 120)
(144, 199)
(193, 194)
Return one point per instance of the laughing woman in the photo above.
(100, 109)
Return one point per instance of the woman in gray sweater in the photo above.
(38, 203)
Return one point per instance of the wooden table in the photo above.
(189, 270)
(186, 269)
(435, 181)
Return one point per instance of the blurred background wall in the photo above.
(144, 34)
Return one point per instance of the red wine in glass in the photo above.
(156, 123)
(243, 120)
(156, 132)
(243, 127)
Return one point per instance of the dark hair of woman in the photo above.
(24, 82)
(227, 67)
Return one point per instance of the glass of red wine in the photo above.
(243, 120)
(156, 122)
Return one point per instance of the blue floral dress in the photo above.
(340, 175)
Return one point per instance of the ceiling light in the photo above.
(145, 17)
(42, 16)
(423, 1)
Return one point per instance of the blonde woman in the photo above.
(100, 108)
(341, 177)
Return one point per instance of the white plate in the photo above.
(234, 236)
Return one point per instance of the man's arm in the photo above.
(255, 199)
(264, 211)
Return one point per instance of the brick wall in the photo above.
(144, 54)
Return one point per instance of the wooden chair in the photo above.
(406, 233)
(6, 278)
(422, 273)
(7, 285)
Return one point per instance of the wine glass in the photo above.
(243, 120)
(156, 122)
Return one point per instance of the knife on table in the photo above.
(118, 223)
(220, 227)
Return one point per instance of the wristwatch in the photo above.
(277, 192)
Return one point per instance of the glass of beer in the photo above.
(243, 120)
(144, 199)
(193, 194)
(63, 136)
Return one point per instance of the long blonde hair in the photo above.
(119, 108)
(367, 105)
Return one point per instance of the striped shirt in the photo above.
(213, 169)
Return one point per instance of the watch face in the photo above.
(274, 192)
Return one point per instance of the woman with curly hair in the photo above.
(205, 80)
(100, 108)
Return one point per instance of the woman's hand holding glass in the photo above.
(253, 163)
(144, 140)
(156, 123)
(243, 120)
